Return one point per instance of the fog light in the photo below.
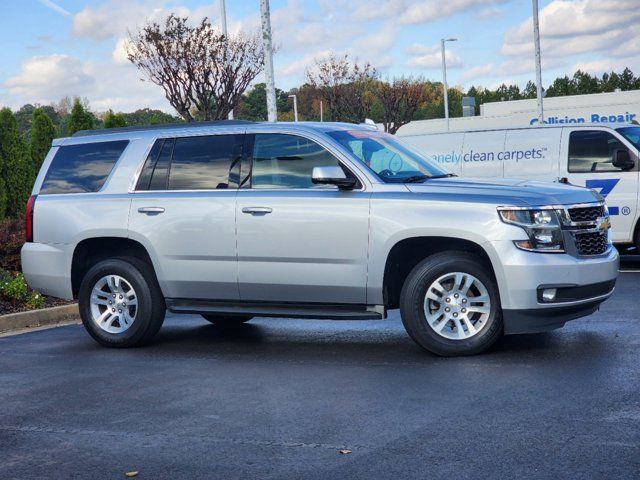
(549, 294)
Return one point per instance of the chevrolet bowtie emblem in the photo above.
(603, 223)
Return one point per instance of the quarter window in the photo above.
(82, 168)
(287, 161)
(592, 151)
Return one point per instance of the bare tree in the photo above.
(203, 73)
(400, 99)
(345, 86)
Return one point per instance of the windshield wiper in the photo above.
(415, 178)
(422, 178)
(444, 175)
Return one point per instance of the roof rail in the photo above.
(159, 126)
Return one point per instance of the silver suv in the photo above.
(232, 220)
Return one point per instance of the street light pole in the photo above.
(272, 114)
(295, 106)
(444, 78)
(536, 43)
(223, 27)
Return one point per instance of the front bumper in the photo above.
(583, 283)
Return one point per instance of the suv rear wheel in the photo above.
(226, 320)
(120, 302)
(450, 305)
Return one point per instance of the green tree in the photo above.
(148, 116)
(14, 164)
(42, 133)
(585, 83)
(80, 118)
(114, 120)
(253, 105)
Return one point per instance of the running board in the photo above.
(265, 309)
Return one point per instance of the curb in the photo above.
(38, 318)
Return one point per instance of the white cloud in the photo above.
(478, 71)
(582, 26)
(47, 79)
(430, 10)
(430, 56)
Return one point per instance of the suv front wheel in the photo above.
(120, 302)
(450, 305)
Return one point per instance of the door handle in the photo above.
(151, 210)
(257, 210)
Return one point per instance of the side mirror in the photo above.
(622, 160)
(332, 176)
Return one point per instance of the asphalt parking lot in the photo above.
(279, 398)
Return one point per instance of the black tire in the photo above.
(151, 307)
(226, 320)
(412, 308)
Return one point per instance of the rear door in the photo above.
(588, 163)
(183, 211)
(298, 241)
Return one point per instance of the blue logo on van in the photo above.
(604, 186)
(594, 118)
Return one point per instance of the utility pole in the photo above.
(536, 42)
(223, 27)
(321, 119)
(295, 106)
(444, 78)
(272, 114)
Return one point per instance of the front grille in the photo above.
(586, 214)
(592, 243)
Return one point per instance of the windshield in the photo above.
(392, 161)
(632, 134)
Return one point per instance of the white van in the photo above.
(601, 157)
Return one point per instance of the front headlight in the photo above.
(542, 227)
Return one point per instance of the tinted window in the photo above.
(161, 168)
(202, 162)
(287, 161)
(149, 166)
(82, 168)
(592, 151)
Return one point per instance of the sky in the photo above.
(54, 48)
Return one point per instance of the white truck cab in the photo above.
(597, 156)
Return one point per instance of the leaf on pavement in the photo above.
(344, 451)
(131, 474)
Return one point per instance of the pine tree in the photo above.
(14, 164)
(114, 120)
(80, 119)
(41, 135)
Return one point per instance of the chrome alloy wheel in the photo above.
(457, 306)
(114, 304)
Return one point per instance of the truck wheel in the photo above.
(120, 302)
(226, 320)
(450, 305)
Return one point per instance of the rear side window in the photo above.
(203, 163)
(592, 151)
(82, 168)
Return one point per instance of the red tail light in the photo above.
(28, 227)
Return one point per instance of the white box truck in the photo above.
(597, 156)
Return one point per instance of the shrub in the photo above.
(11, 240)
(15, 289)
(35, 301)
